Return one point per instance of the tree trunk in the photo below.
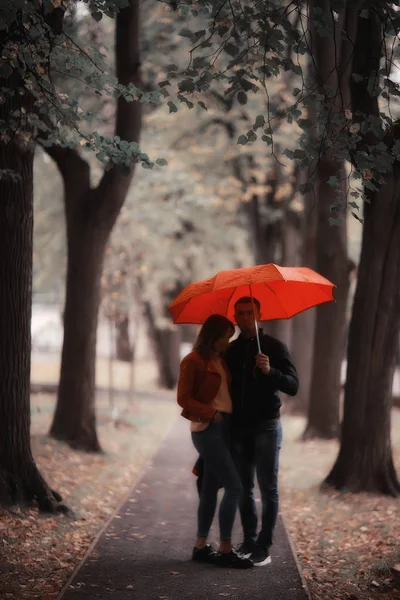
(330, 324)
(90, 216)
(303, 325)
(165, 344)
(74, 419)
(20, 480)
(365, 460)
(123, 348)
(331, 62)
(282, 329)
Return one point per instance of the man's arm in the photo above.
(283, 374)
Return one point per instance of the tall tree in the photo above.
(365, 461)
(20, 480)
(91, 213)
(331, 61)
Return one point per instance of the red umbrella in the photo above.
(282, 292)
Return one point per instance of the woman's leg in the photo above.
(207, 506)
(220, 469)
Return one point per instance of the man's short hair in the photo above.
(248, 300)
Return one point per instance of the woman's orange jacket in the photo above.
(198, 385)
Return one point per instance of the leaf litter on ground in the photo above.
(347, 544)
(41, 552)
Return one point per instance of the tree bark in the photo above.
(331, 63)
(365, 461)
(330, 322)
(90, 216)
(74, 419)
(303, 325)
(165, 344)
(20, 480)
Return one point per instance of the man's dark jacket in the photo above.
(255, 396)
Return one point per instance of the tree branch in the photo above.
(73, 169)
(114, 184)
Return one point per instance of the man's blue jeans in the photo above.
(257, 451)
(213, 445)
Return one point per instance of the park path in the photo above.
(144, 551)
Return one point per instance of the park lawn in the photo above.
(40, 553)
(346, 543)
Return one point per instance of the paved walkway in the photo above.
(144, 551)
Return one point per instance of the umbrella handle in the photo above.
(255, 320)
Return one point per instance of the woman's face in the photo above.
(222, 343)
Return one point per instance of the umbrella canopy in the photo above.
(282, 291)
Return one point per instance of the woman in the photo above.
(203, 393)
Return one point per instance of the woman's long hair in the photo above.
(214, 328)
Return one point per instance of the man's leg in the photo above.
(243, 453)
(267, 447)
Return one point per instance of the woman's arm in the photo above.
(185, 397)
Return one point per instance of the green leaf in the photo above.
(242, 139)
(259, 122)
(357, 217)
(336, 222)
(203, 106)
(333, 181)
(267, 139)
(161, 162)
(186, 85)
(97, 15)
(199, 62)
(172, 107)
(186, 33)
(288, 153)
(198, 35)
(231, 49)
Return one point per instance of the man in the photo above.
(257, 379)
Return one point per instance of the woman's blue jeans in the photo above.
(213, 445)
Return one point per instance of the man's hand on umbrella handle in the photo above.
(262, 362)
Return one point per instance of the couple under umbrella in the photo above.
(229, 391)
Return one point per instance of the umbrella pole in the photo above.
(255, 320)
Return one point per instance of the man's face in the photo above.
(244, 317)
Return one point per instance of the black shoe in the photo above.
(260, 557)
(246, 548)
(232, 560)
(204, 555)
